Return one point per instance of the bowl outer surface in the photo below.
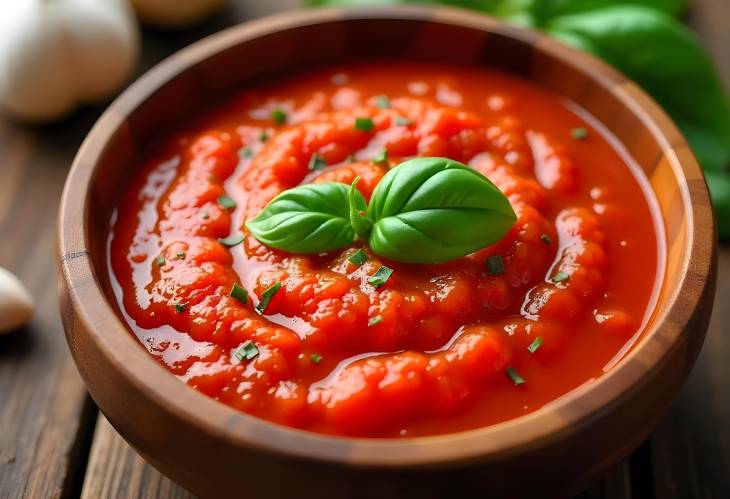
(211, 449)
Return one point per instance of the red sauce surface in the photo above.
(438, 360)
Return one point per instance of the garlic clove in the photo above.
(16, 304)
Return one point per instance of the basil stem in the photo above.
(357, 206)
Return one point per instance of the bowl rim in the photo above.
(548, 424)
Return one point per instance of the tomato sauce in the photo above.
(437, 348)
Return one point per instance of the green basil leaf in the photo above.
(665, 59)
(719, 184)
(310, 218)
(430, 210)
(554, 8)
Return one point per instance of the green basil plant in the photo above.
(425, 210)
(645, 40)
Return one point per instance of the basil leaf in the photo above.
(554, 8)
(719, 184)
(430, 210)
(311, 218)
(665, 59)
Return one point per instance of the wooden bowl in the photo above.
(212, 449)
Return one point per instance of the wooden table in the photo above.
(53, 441)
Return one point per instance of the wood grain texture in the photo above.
(115, 471)
(42, 399)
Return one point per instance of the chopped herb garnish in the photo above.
(579, 133)
(381, 157)
(561, 277)
(375, 320)
(358, 258)
(350, 159)
(536, 343)
(160, 261)
(231, 241)
(317, 162)
(495, 265)
(278, 115)
(204, 215)
(266, 297)
(180, 255)
(264, 136)
(180, 307)
(546, 239)
(247, 351)
(380, 277)
(364, 124)
(382, 101)
(515, 376)
(239, 293)
(315, 358)
(248, 153)
(226, 202)
(403, 121)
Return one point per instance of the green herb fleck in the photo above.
(239, 293)
(380, 277)
(546, 239)
(266, 297)
(403, 121)
(315, 358)
(561, 277)
(317, 162)
(515, 376)
(180, 307)
(180, 255)
(381, 157)
(364, 124)
(375, 320)
(160, 261)
(264, 136)
(204, 215)
(536, 343)
(350, 159)
(495, 265)
(382, 101)
(248, 153)
(579, 133)
(358, 258)
(247, 351)
(231, 241)
(226, 202)
(278, 115)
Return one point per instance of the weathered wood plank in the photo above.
(115, 471)
(42, 399)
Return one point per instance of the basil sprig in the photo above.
(426, 210)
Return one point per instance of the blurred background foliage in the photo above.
(647, 41)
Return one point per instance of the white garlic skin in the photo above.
(16, 304)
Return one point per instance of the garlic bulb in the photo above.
(175, 13)
(16, 305)
(56, 54)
